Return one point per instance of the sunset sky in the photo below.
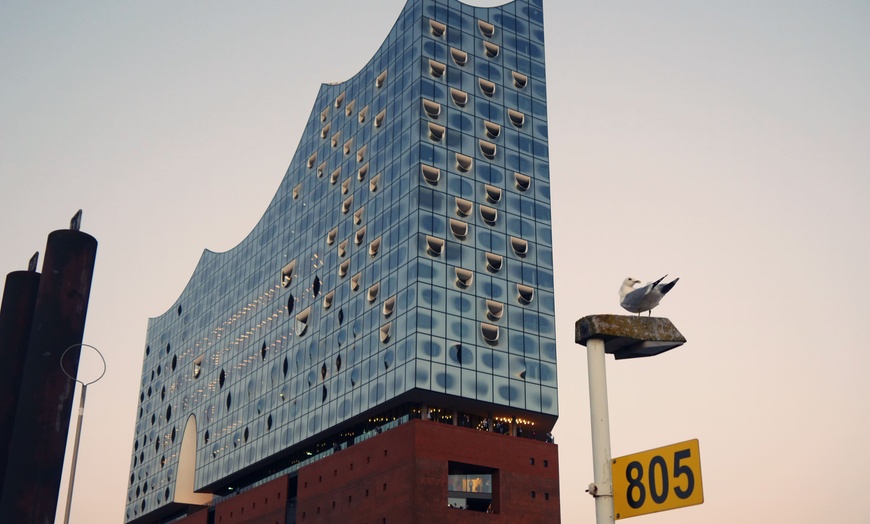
(724, 143)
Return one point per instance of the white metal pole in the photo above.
(75, 455)
(602, 489)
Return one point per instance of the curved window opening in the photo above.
(437, 28)
(359, 235)
(363, 171)
(354, 281)
(494, 262)
(361, 153)
(324, 115)
(330, 237)
(434, 246)
(312, 159)
(302, 322)
(459, 97)
(374, 247)
(487, 87)
(346, 205)
(464, 277)
(343, 268)
(327, 299)
(520, 246)
(486, 29)
(433, 109)
(463, 162)
(372, 294)
(321, 169)
(490, 49)
(336, 138)
(493, 194)
(436, 68)
(325, 131)
(349, 109)
(489, 214)
(389, 306)
(459, 56)
(358, 214)
(436, 132)
(430, 174)
(520, 80)
(379, 118)
(345, 186)
(492, 129)
(339, 100)
(517, 118)
(362, 114)
(342, 248)
(335, 175)
(490, 333)
(379, 81)
(373, 184)
(459, 228)
(487, 148)
(463, 207)
(287, 273)
(296, 191)
(348, 146)
(494, 310)
(525, 294)
(385, 332)
(523, 182)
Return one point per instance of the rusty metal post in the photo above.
(36, 455)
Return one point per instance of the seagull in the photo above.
(643, 298)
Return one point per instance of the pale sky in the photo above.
(724, 143)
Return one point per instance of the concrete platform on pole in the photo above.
(627, 336)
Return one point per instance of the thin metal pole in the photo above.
(75, 455)
(603, 486)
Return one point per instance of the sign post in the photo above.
(624, 337)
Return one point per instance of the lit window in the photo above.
(486, 29)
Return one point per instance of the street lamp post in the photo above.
(75, 455)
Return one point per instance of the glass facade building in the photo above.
(403, 269)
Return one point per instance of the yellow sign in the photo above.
(657, 480)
